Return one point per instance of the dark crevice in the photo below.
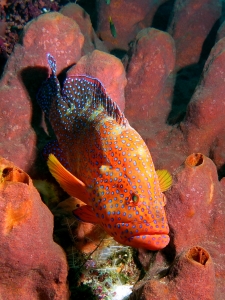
(162, 16)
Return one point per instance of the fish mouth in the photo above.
(150, 233)
(158, 233)
(151, 241)
(140, 235)
(146, 231)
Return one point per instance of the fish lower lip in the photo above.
(140, 233)
(150, 233)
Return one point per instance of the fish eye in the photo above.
(134, 199)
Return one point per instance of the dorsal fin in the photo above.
(85, 95)
(81, 100)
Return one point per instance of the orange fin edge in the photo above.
(70, 183)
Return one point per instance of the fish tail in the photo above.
(50, 89)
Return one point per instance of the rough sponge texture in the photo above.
(82, 18)
(129, 17)
(192, 22)
(52, 33)
(196, 216)
(191, 276)
(148, 84)
(33, 266)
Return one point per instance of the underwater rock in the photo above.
(60, 36)
(128, 19)
(17, 138)
(203, 126)
(149, 84)
(20, 82)
(190, 277)
(33, 266)
(82, 18)
(192, 22)
(108, 69)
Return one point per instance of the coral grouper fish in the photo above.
(109, 166)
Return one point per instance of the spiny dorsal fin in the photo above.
(165, 179)
(85, 94)
(82, 95)
(71, 184)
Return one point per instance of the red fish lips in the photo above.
(142, 235)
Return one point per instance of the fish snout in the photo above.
(143, 235)
(149, 241)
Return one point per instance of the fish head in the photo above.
(129, 202)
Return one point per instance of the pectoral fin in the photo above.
(165, 179)
(71, 184)
(85, 213)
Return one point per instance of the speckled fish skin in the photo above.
(110, 158)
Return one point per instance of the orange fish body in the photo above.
(111, 169)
